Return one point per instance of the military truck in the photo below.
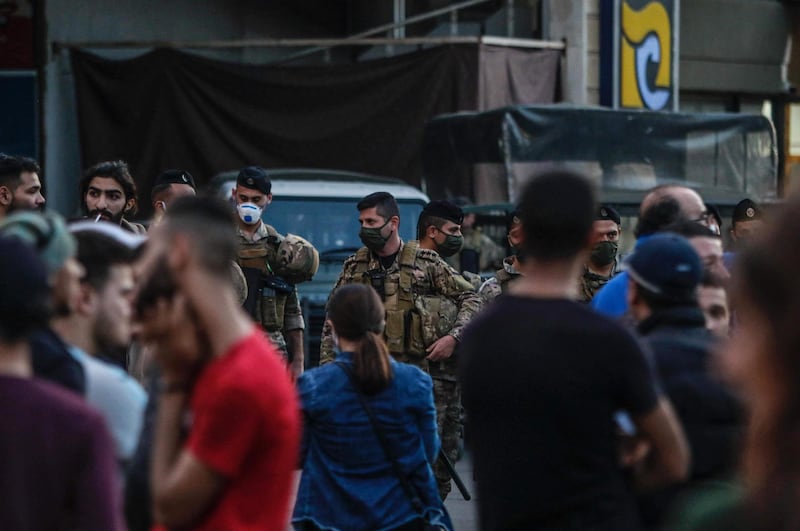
(320, 205)
(489, 155)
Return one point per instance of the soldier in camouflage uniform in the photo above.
(603, 263)
(479, 252)
(272, 300)
(427, 302)
(498, 284)
(438, 229)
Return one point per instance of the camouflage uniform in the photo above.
(498, 284)
(276, 312)
(489, 253)
(592, 282)
(425, 299)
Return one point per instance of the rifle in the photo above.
(453, 474)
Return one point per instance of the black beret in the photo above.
(746, 210)
(605, 212)
(174, 177)
(256, 178)
(440, 208)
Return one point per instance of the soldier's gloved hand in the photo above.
(442, 348)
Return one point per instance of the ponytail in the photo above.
(371, 365)
(357, 314)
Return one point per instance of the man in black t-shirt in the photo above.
(542, 378)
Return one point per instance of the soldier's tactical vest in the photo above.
(255, 259)
(409, 321)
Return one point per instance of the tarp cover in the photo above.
(489, 154)
(169, 109)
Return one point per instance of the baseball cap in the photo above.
(46, 232)
(174, 177)
(667, 265)
(444, 209)
(256, 178)
(746, 210)
(607, 213)
(23, 281)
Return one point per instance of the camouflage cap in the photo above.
(298, 260)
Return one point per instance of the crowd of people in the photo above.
(154, 377)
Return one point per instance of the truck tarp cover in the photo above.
(489, 154)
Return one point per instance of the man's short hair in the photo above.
(114, 169)
(98, 253)
(10, 171)
(691, 229)
(659, 215)
(210, 225)
(384, 204)
(557, 212)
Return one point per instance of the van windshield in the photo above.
(331, 224)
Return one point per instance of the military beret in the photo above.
(605, 212)
(746, 210)
(441, 208)
(174, 177)
(254, 177)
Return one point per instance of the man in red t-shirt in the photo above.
(222, 382)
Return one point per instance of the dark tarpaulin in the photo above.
(727, 156)
(169, 109)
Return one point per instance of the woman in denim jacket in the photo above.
(348, 482)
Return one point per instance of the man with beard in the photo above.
(20, 188)
(100, 326)
(48, 234)
(602, 264)
(109, 193)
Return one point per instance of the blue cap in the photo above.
(666, 265)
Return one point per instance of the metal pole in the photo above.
(509, 18)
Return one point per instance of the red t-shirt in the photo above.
(246, 427)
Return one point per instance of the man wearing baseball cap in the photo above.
(272, 301)
(664, 276)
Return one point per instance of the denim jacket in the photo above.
(347, 481)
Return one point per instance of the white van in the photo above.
(320, 205)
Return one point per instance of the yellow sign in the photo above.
(647, 57)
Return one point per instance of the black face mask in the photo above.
(372, 237)
(603, 253)
(452, 244)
